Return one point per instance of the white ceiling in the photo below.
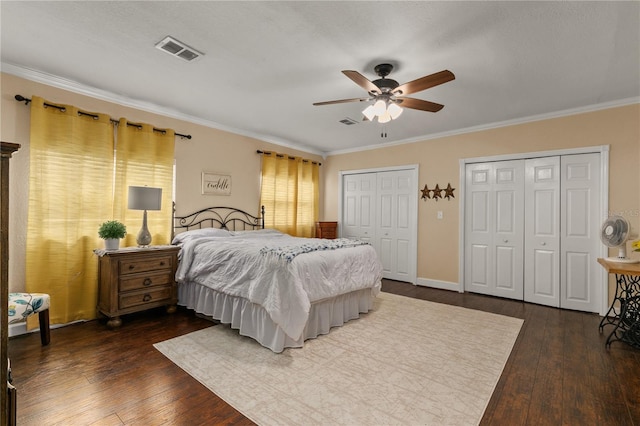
(265, 63)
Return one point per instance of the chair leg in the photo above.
(45, 335)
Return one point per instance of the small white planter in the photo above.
(112, 243)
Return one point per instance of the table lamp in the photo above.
(144, 198)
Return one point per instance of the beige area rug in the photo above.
(407, 362)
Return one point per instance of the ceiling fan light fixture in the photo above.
(394, 111)
(389, 96)
(380, 107)
(384, 118)
(369, 113)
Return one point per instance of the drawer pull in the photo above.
(131, 267)
(162, 263)
(147, 281)
(146, 298)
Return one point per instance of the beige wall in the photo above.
(218, 151)
(209, 150)
(438, 159)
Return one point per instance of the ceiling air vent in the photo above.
(177, 48)
(348, 121)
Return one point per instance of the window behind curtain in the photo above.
(144, 157)
(70, 191)
(290, 194)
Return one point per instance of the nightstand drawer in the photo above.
(136, 279)
(145, 281)
(328, 233)
(156, 263)
(327, 230)
(155, 295)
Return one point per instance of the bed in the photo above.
(277, 289)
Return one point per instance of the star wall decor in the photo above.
(425, 193)
(448, 192)
(437, 192)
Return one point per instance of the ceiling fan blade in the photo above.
(419, 104)
(424, 83)
(362, 81)
(342, 101)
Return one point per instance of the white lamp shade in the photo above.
(394, 111)
(384, 118)
(379, 107)
(369, 113)
(144, 198)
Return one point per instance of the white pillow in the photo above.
(183, 237)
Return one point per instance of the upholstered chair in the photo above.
(22, 305)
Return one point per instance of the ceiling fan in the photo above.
(389, 97)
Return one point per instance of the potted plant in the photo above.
(111, 232)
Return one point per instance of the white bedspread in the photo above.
(285, 289)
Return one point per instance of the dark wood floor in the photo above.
(559, 372)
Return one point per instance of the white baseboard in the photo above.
(18, 329)
(21, 328)
(443, 285)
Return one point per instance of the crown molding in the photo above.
(82, 89)
(498, 124)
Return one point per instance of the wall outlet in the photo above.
(439, 214)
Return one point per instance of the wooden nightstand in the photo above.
(327, 230)
(136, 279)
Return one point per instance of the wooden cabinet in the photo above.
(136, 279)
(327, 230)
(7, 400)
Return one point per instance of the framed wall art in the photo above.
(216, 184)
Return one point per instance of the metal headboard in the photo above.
(220, 217)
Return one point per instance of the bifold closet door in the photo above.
(359, 207)
(494, 228)
(556, 230)
(542, 231)
(394, 234)
(580, 277)
(380, 207)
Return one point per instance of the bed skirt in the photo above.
(253, 321)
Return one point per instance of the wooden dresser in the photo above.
(136, 279)
(7, 400)
(327, 230)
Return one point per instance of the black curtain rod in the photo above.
(290, 158)
(26, 101)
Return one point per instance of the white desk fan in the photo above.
(614, 233)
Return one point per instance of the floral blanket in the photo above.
(289, 252)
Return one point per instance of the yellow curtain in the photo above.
(290, 194)
(308, 198)
(70, 189)
(144, 157)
